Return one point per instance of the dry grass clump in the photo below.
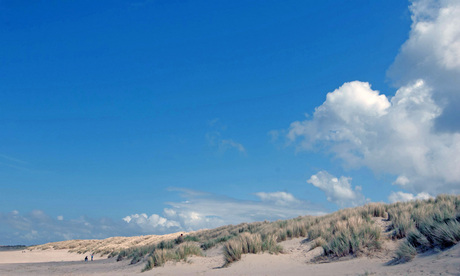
(232, 251)
(318, 242)
(349, 231)
(424, 225)
(342, 233)
(427, 224)
(249, 243)
(270, 245)
(405, 253)
(160, 256)
(294, 228)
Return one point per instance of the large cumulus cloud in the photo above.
(413, 135)
(364, 128)
(432, 53)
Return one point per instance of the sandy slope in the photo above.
(106, 245)
(444, 263)
(294, 261)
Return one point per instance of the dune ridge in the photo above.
(105, 246)
(405, 238)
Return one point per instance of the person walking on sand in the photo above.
(92, 254)
(86, 258)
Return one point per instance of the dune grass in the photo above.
(342, 233)
(428, 224)
(249, 243)
(160, 256)
(422, 224)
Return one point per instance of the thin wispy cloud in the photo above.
(216, 140)
(9, 158)
(14, 163)
(226, 144)
(201, 210)
(38, 227)
(197, 210)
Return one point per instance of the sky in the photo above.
(152, 117)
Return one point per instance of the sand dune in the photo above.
(60, 262)
(299, 255)
(105, 246)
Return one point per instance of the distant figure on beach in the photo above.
(86, 258)
(92, 254)
(180, 239)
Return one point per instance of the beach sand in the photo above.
(293, 262)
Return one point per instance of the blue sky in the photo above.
(150, 117)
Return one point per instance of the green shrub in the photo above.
(445, 233)
(376, 209)
(402, 224)
(269, 244)
(191, 238)
(405, 252)
(418, 240)
(188, 249)
(166, 245)
(149, 265)
(339, 246)
(282, 236)
(136, 259)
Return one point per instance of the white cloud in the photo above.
(229, 143)
(215, 140)
(278, 198)
(338, 190)
(202, 210)
(395, 136)
(152, 223)
(37, 227)
(9, 158)
(432, 53)
(199, 210)
(400, 196)
(414, 135)
(170, 212)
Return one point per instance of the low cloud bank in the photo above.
(204, 210)
(198, 210)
